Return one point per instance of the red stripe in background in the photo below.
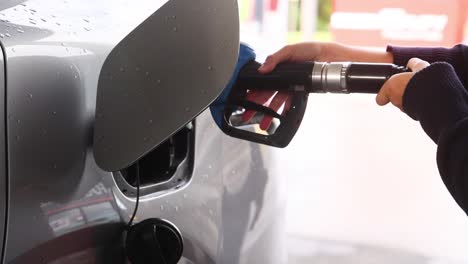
(273, 5)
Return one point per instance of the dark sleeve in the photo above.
(456, 56)
(437, 98)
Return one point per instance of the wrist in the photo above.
(332, 51)
(360, 54)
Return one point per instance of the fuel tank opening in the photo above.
(167, 166)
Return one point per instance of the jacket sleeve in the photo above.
(457, 56)
(438, 99)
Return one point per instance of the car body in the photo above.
(59, 206)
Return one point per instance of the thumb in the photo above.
(269, 64)
(283, 54)
(382, 97)
(416, 64)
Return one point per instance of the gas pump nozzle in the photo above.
(299, 79)
(319, 77)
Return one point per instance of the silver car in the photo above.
(94, 93)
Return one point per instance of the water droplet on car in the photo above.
(210, 212)
(145, 139)
(43, 20)
(85, 20)
(20, 31)
(162, 207)
(158, 81)
(54, 166)
(63, 44)
(32, 22)
(18, 121)
(176, 208)
(210, 167)
(54, 112)
(8, 35)
(2, 35)
(87, 29)
(13, 50)
(18, 138)
(150, 121)
(210, 68)
(30, 96)
(147, 74)
(187, 109)
(122, 69)
(173, 17)
(58, 24)
(137, 69)
(174, 29)
(185, 195)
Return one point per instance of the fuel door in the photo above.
(161, 76)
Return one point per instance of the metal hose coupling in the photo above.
(330, 77)
(352, 77)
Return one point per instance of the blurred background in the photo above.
(363, 185)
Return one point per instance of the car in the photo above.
(103, 106)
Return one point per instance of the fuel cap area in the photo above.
(154, 241)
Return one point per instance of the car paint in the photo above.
(63, 208)
(3, 171)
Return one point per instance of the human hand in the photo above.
(324, 51)
(394, 88)
(307, 51)
(275, 100)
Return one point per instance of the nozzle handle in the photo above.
(285, 77)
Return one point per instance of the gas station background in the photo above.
(357, 173)
(360, 22)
